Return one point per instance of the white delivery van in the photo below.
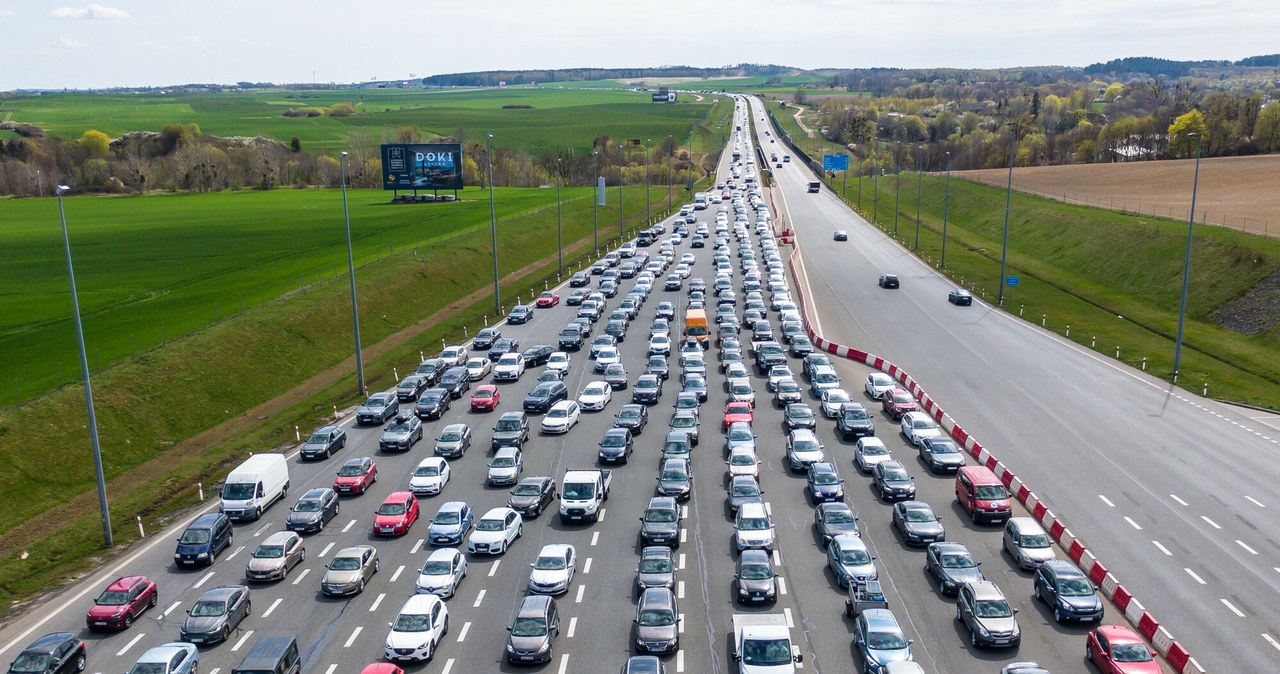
(254, 485)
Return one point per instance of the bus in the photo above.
(695, 326)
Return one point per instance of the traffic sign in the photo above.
(1012, 280)
(835, 162)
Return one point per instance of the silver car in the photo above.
(1027, 542)
(442, 572)
(350, 570)
(273, 559)
(216, 613)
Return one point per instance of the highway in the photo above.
(343, 635)
(1176, 494)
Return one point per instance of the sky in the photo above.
(51, 45)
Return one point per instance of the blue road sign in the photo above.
(835, 162)
(1012, 280)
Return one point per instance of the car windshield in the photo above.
(595, 390)
(344, 564)
(450, 436)
(194, 537)
(614, 441)
(675, 447)
(406, 622)
(684, 422)
(903, 398)
(1130, 653)
(766, 652)
(920, 515)
(539, 392)
(657, 617)
(110, 598)
(659, 515)
(1075, 587)
(800, 413)
(742, 460)
(503, 462)
(895, 474)
(655, 566)
(507, 425)
(318, 439)
(558, 413)
(408, 384)
(308, 505)
(755, 572)
(838, 517)
(549, 563)
(351, 470)
(990, 492)
(992, 608)
(958, 561)
(237, 491)
(674, 475)
(788, 386)
(885, 640)
(739, 435)
(391, 509)
(29, 662)
(435, 396)
(489, 525)
(805, 446)
(1035, 541)
(825, 378)
(427, 471)
(375, 403)
(746, 490)
(826, 478)
(208, 609)
(528, 490)
(753, 524)
(922, 423)
(269, 552)
(398, 427)
(855, 414)
(874, 450)
(446, 518)
(944, 447)
(529, 627)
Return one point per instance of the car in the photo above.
(1025, 667)
(737, 412)
(532, 495)
(544, 396)
(753, 528)
(832, 400)
(778, 373)
(502, 347)
(878, 384)
(803, 448)
(941, 455)
(553, 569)
(686, 422)
(453, 355)
(410, 388)
(455, 380)
(1117, 649)
(442, 573)
(430, 476)
(505, 467)
(484, 339)
(799, 415)
(520, 313)
(580, 279)
(960, 297)
(660, 523)
(275, 556)
(495, 531)
(868, 452)
(916, 426)
(172, 658)
(787, 392)
(377, 409)
(570, 338)
(801, 346)
(533, 630)
(605, 356)
(355, 476)
(1063, 586)
(485, 398)
(657, 568)
(561, 417)
(825, 483)
(56, 653)
(952, 565)
(1027, 543)
(823, 378)
(741, 391)
(454, 441)
(754, 578)
(675, 476)
(616, 376)
(983, 610)
(879, 640)
(688, 401)
(633, 417)
(854, 422)
(401, 434)
(350, 570)
(202, 540)
(834, 518)
(889, 281)
(617, 328)
(396, 515)
(418, 629)
(739, 435)
(850, 561)
(657, 622)
(431, 369)
(547, 300)
(892, 482)
(512, 430)
(648, 389)
(559, 361)
(695, 384)
(537, 355)
(434, 402)
(898, 402)
(595, 395)
(215, 614)
(450, 524)
(478, 368)
(509, 367)
(841, 235)
(323, 442)
(616, 446)
(917, 523)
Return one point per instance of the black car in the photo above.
(960, 297)
(575, 298)
(632, 417)
(892, 482)
(799, 415)
(433, 403)
(941, 455)
(660, 524)
(647, 390)
(755, 579)
(617, 328)
(825, 484)
(215, 615)
(917, 523)
(854, 421)
(409, 389)
(1072, 595)
(519, 314)
(537, 355)
(801, 346)
(675, 478)
(431, 369)
(485, 338)
(313, 511)
(616, 446)
(657, 365)
(656, 568)
(456, 380)
(834, 518)
(579, 279)
(951, 565)
(512, 430)
(889, 281)
(544, 395)
(532, 496)
(570, 338)
(503, 346)
(51, 654)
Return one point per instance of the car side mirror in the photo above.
(1015, 610)
(508, 628)
(390, 625)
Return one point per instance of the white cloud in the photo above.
(91, 11)
(190, 39)
(68, 43)
(6, 13)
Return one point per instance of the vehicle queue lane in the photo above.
(1020, 390)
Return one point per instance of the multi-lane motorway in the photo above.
(1046, 408)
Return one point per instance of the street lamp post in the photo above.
(875, 187)
(919, 190)
(946, 202)
(671, 148)
(648, 204)
(84, 372)
(559, 235)
(595, 198)
(1004, 246)
(493, 233)
(1186, 266)
(351, 275)
(622, 231)
(859, 158)
(897, 188)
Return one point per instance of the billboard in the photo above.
(421, 166)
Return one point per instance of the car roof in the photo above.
(835, 505)
(205, 521)
(881, 620)
(1063, 568)
(745, 479)
(675, 463)
(1120, 633)
(656, 551)
(554, 550)
(506, 451)
(45, 644)
(754, 556)
(326, 429)
(664, 502)
(516, 414)
(950, 547)
(397, 496)
(618, 431)
(533, 606)
(419, 603)
(125, 582)
(803, 434)
(164, 652)
(849, 542)
(985, 590)
(823, 467)
(753, 510)
(658, 597)
(564, 404)
(886, 465)
(221, 593)
(452, 506)
(279, 538)
(1026, 525)
(500, 512)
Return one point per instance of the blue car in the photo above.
(450, 524)
(879, 639)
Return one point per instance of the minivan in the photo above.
(271, 655)
(534, 629)
(203, 539)
(982, 495)
(254, 485)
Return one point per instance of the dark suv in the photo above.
(534, 629)
(544, 395)
(203, 539)
(660, 524)
(512, 430)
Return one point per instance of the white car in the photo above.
(878, 384)
(683, 271)
(495, 531)
(553, 569)
(659, 345)
(430, 477)
(917, 426)
(606, 356)
(832, 400)
(509, 368)
(417, 629)
(777, 373)
(869, 451)
(454, 355)
(688, 258)
(561, 417)
(736, 370)
(743, 461)
(442, 572)
(558, 361)
(595, 396)
(478, 368)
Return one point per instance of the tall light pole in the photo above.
(84, 372)
(559, 228)
(595, 198)
(671, 148)
(622, 230)
(919, 190)
(859, 157)
(946, 202)
(351, 275)
(648, 214)
(1186, 266)
(493, 232)
(897, 188)
(1008, 194)
(875, 187)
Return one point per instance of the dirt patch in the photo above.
(1235, 192)
(1256, 311)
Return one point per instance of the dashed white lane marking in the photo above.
(680, 590)
(682, 562)
(782, 585)
(1175, 497)
(684, 535)
(299, 577)
(448, 667)
(684, 511)
(1210, 522)
(169, 610)
(1162, 548)
(1275, 644)
(573, 627)
(586, 568)
(264, 528)
(133, 641)
(595, 537)
(241, 641)
(786, 612)
(377, 602)
(1133, 524)
(1198, 579)
(1232, 608)
(777, 558)
(1255, 501)
(599, 519)
(462, 634)
(578, 599)
(1106, 501)
(494, 569)
(416, 547)
(680, 661)
(203, 579)
(479, 598)
(331, 668)
(215, 670)
(271, 609)
(1246, 547)
(347, 528)
(352, 639)
(564, 663)
(326, 549)
(680, 622)
(396, 575)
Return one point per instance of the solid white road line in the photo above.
(326, 549)
(586, 567)
(1133, 524)
(595, 537)
(1106, 501)
(352, 639)
(129, 645)
(462, 634)
(241, 641)
(1198, 579)
(578, 599)
(299, 577)
(203, 579)
(1210, 522)
(1175, 497)
(1255, 501)
(377, 602)
(233, 555)
(396, 575)
(271, 609)
(494, 569)
(347, 528)
(1162, 548)
(782, 585)
(1246, 547)
(573, 627)
(1233, 609)
(479, 598)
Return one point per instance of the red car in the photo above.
(122, 602)
(355, 476)
(398, 512)
(898, 402)
(1118, 649)
(381, 668)
(547, 300)
(485, 399)
(736, 411)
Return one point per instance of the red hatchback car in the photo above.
(898, 402)
(398, 512)
(1118, 649)
(355, 476)
(547, 300)
(485, 399)
(736, 411)
(381, 668)
(122, 602)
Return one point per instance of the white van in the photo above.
(254, 485)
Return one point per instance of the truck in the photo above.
(762, 644)
(582, 493)
(815, 186)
